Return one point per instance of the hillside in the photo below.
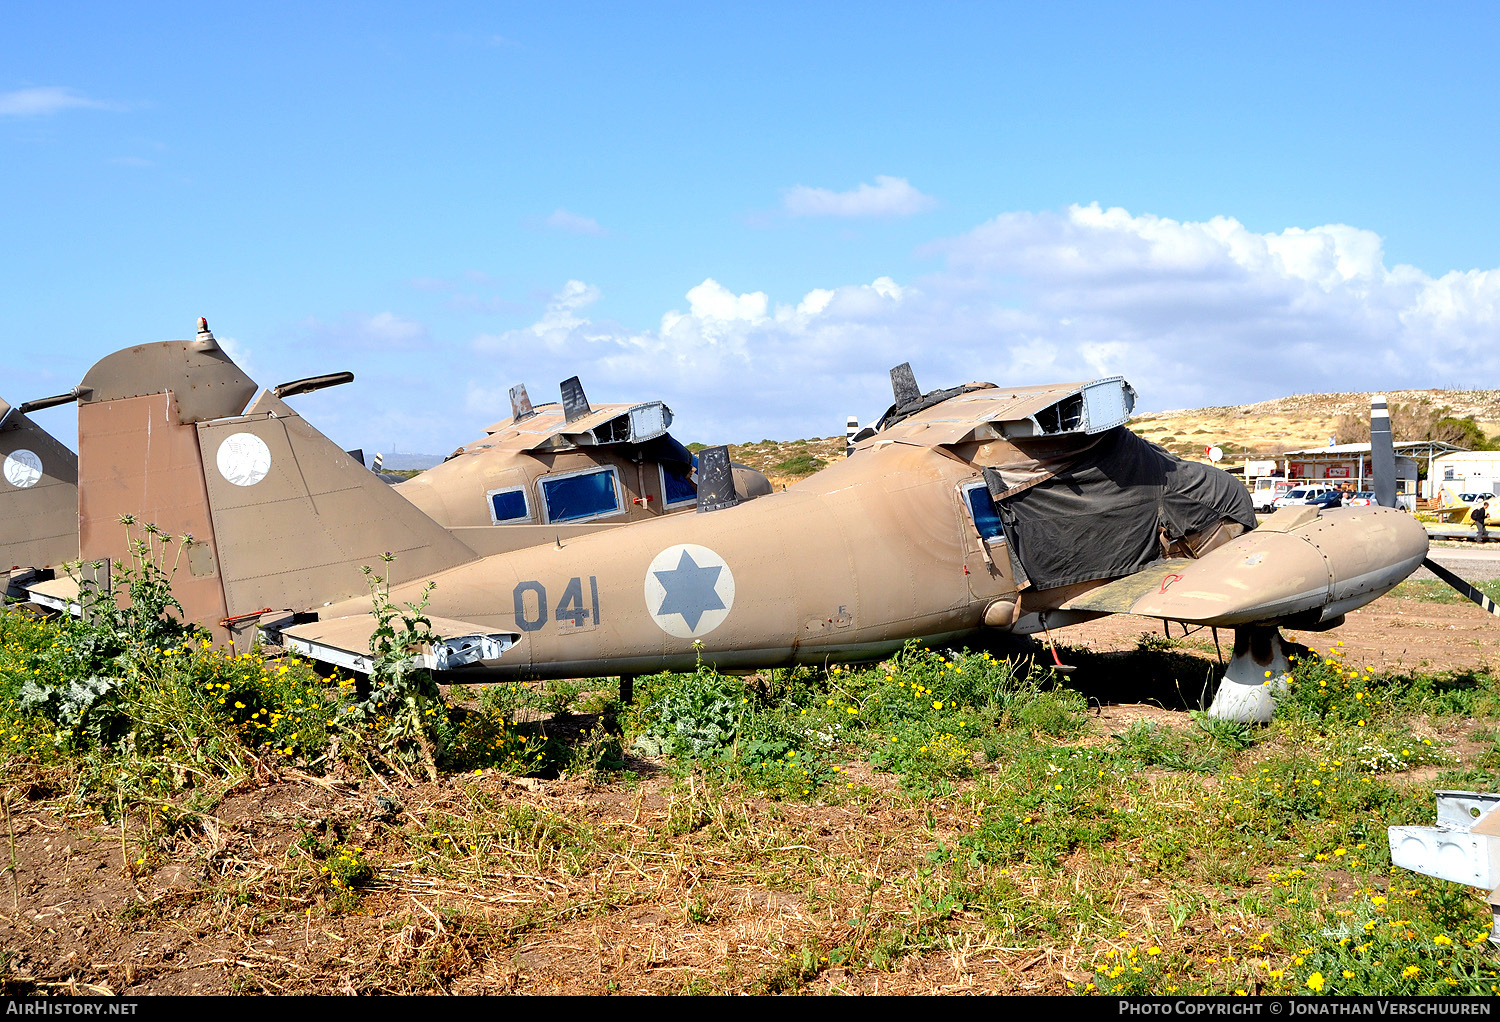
(786, 461)
(1295, 422)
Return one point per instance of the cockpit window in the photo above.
(508, 505)
(676, 487)
(982, 509)
(580, 495)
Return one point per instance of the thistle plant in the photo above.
(404, 703)
(135, 605)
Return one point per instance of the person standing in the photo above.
(1480, 514)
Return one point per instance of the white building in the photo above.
(1466, 472)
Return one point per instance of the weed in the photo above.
(402, 710)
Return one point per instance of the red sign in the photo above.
(1337, 472)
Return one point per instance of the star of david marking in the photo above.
(690, 590)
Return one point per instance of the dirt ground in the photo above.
(1393, 633)
(236, 904)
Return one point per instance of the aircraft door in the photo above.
(986, 559)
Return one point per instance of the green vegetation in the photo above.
(799, 465)
(1419, 420)
(937, 806)
(1433, 591)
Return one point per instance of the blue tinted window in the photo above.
(678, 487)
(580, 496)
(508, 505)
(986, 519)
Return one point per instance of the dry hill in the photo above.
(1295, 422)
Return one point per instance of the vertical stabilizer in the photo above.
(280, 517)
(38, 495)
(295, 517)
(138, 456)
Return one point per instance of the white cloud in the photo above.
(382, 331)
(1193, 313)
(887, 197)
(240, 354)
(45, 99)
(572, 223)
(391, 330)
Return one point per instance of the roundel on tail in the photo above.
(244, 459)
(689, 590)
(22, 468)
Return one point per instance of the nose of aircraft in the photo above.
(1333, 562)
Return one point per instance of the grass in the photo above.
(939, 820)
(1432, 590)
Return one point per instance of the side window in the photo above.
(677, 489)
(982, 510)
(581, 495)
(508, 505)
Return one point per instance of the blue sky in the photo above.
(751, 213)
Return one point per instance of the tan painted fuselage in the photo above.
(851, 564)
(799, 576)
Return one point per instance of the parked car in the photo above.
(1328, 498)
(1311, 494)
(1266, 490)
(1360, 498)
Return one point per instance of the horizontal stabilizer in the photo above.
(57, 594)
(345, 642)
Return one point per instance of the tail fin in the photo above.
(38, 495)
(280, 517)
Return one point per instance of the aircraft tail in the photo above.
(280, 517)
(38, 495)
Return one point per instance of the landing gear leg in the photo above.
(1256, 675)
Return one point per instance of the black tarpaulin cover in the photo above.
(1102, 515)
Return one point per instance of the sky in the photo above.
(750, 213)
